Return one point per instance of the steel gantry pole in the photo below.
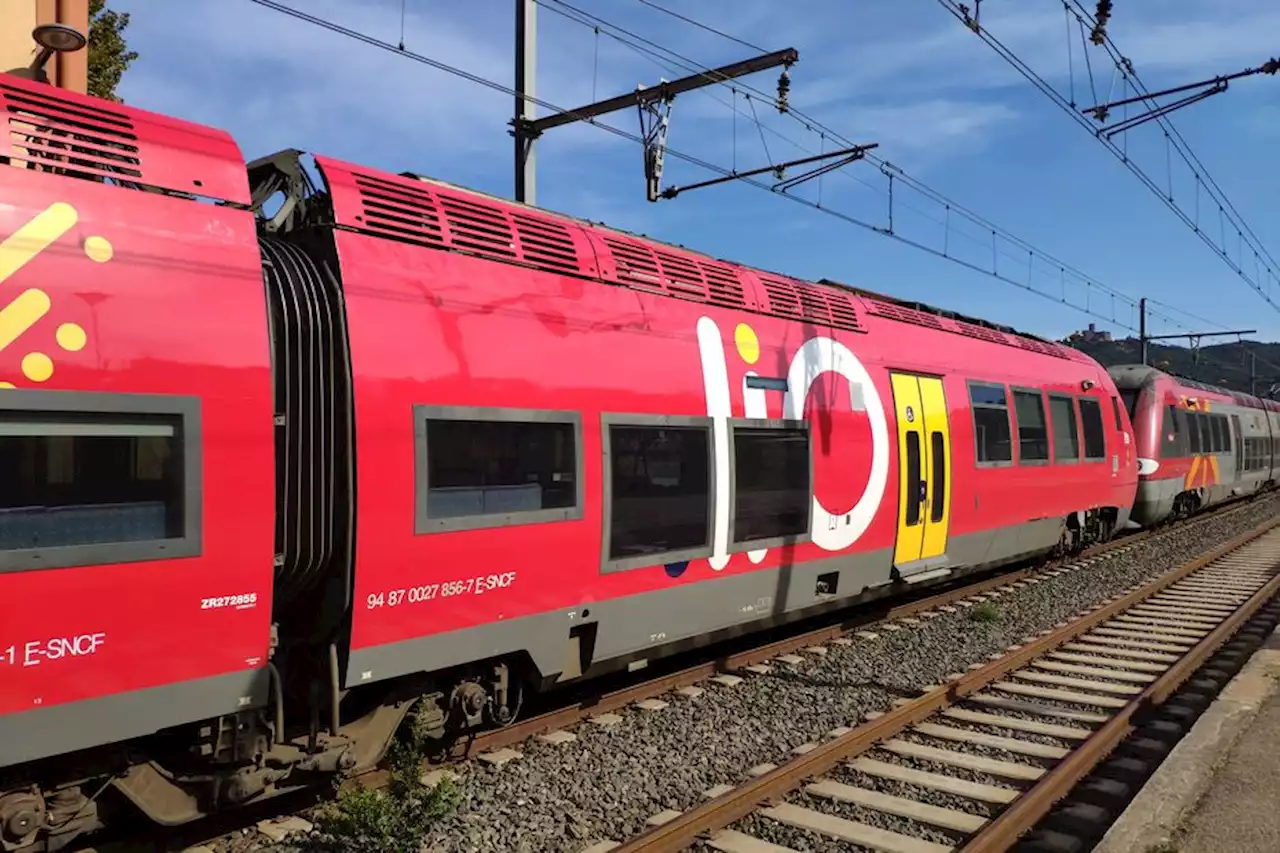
(654, 104)
(526, 89)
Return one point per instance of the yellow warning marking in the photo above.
(747, 342)
(37, 366)
(71, 337)
(34, 237)
(21, 314)
(98, 249)
(6, 384)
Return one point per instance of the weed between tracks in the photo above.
(984, 612)
(396, 819)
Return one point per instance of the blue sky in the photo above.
(905, 74)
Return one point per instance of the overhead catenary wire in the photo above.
(810, 123)
(702, 163)
(1123, 68)
(649, 48)
(680, 155)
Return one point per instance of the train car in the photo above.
(1198, 445)
(294, 456)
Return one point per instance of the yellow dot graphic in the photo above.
(71, 337)
(98, 249)
(6, 384)
(37, 366)
(748, 344)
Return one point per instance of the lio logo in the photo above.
(28, 307)
(832, 528)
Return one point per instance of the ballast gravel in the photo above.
(610, 780)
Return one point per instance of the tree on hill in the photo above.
(109, 54)
(1227, 365)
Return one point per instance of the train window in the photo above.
(493, 467)
(938, 459)
(1172, 443)
(771, 476)
(658, 490)
(1193, 431)
(1238, 442)
(1206, 433)
(1066, 442)
(1095, 442)
(1115, 410)
(1220, 442)
(992, 438)
(1033, 436)
(913, 477)
(97, 478)
(1130, 397)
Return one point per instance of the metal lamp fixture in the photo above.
(54, 38)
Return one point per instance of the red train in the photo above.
(1197, 444)
(286, 460)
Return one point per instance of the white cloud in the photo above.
(275, 81)
(932, 125)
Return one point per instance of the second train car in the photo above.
(1197, 444)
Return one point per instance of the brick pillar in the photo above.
(73, 68)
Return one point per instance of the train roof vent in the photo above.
(903, 314)
(980, 332)
(482, 229)
(82, 140)
(799, 300)
(546, 244)
(636, 264)
(681, 276)
(402, 213)
(1036, 346)
(1071, 353)
(723, 285)
(413, 211)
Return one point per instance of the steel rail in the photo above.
(1023, 813)
(866, 613)
(734, 805)
(624, 696)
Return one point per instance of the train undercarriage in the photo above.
(189, 773)
(186, 774)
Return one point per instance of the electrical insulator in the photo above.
(1101, 16)
(784, 89)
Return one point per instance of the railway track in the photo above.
(1004, 742)
(595, 703)
(227, 831)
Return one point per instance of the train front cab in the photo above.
(1197, 446)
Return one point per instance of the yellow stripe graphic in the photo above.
(21, 314)
(34, 237)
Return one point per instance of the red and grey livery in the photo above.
(285, 461)
(1198, 445)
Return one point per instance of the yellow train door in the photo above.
(924, 455)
